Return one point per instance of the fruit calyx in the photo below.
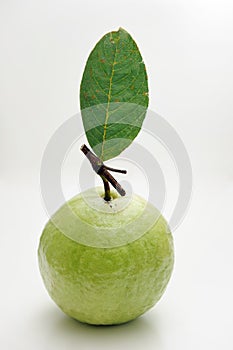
(103, 171)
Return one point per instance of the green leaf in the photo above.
(113, 94)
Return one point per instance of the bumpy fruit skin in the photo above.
(111, 285)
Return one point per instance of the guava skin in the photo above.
(106, 286)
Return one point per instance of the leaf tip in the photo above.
(122, 30)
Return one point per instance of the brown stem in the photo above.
(113, 182)
(107, 195)
(116, 170)
(102, 170)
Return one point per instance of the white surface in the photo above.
(188, 49)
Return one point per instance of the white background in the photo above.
(188, 50)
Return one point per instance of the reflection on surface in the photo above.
(60, 332)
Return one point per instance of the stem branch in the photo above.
(102, 170)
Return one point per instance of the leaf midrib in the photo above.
(109, 100)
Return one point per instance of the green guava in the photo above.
(106, 263)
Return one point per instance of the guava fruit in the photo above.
(106, 263)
